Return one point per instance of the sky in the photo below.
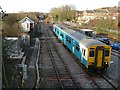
(13, 6)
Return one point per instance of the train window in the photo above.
(68, 40)
(61, 35)
(55, 29)
(106, 52)
(91, 52)
(77, 47)
(89, 33)
(58, 32)
(83, 50)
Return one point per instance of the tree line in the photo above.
(11, 25)
(63, 13)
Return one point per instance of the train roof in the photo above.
(83, 39)
(68, 31)
(91, 42)
(86, 41)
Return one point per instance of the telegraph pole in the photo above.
(31, 33)
(2, 14)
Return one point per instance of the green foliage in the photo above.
(11, 25)
(103, 24)
(63, 13)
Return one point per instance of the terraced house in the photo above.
(99, 13)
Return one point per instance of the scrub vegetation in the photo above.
(11, 25)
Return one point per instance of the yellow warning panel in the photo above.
(99, 58)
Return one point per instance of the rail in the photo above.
(62, 60)
(105, 77)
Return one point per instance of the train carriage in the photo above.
(92, 53)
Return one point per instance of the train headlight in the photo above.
(91, 63)
(106, 63)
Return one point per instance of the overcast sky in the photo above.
(46, 5)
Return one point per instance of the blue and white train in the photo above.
(92, 53)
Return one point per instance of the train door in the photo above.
(61, 36)
(73, 46)
(83, 56)
(99, 57)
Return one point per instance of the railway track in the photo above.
(66, 80)
(116, 53)
(109, 80)
(102, 82)
(98, 82)
(104, 79)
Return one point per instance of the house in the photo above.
(101, 13)
(26, 24)
(113, 12)
(88, 14)
(106, 12)
(84, 16)
(79, 15)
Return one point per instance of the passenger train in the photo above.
(92, 53)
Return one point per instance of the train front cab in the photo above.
(99, 57)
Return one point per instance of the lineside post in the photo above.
(31, 34)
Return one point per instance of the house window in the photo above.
(77, 47)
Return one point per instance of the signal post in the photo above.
(31, 33)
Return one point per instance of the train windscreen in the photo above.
(89, 33)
